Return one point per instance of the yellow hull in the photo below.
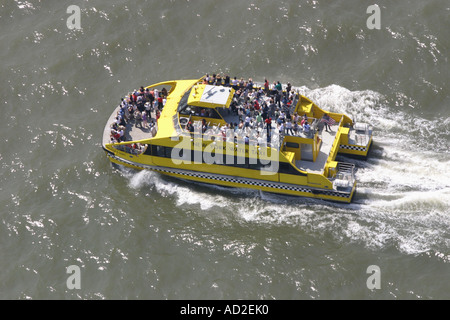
(355, 150)
(239, 182)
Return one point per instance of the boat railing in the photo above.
(132, 148)
(345, 169)
(335, 146)
(218, 132)
(363, 133)
(301, 132)
(360, 140)
(345, 176)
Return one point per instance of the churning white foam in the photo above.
(184, 195)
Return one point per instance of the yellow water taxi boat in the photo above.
(238, 134)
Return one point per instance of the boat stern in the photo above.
(356, 140)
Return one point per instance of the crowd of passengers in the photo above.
(137, 108)
(269, 107)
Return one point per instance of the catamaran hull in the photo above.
(238, 182)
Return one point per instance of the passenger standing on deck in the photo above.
(218, 80)
(135, 109)
(138, 117)
(260, 93)
(272, 108)
(273, 89)
(282, 129)
(151, 97)
(256, 105)
(227, 81)
(164, 92)
(147, 95)
(289, 127)
(160, 102)
(295, 127)
(266, 86)
(247, 122)
(269, 127)
(288, 89)
(326, 120)
(306, 128)
(284, 101)
(278, 98)
(121, 134)
(144, 119)
(282, 116)
(250, 84)
(265, 113)
(279, 117)
(240, 112)
(278, 87)
(304, 119)
(126, 113)
(259, 120)
(148, 110)
(235, 83)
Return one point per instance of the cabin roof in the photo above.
(210, 96)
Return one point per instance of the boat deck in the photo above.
(359, 139)
(325, 148)
(132, 133)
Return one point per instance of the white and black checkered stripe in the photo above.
(259, 183)
(343, 146)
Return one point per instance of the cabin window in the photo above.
(186, 111)
(292, 145)
(148, 150)
(183, 103)
(199, 112)
(158, 150)
(238, 162)
(168, 152)
(161, 151)
(287, 168)
(213, 114)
